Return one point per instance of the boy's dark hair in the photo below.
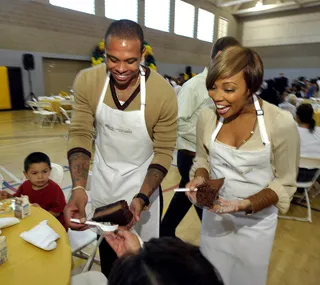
(222, 44)
(165, 261)
(125, 29)
(36, 157)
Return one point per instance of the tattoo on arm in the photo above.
(152, 181)
(79, 164)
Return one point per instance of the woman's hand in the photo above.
(225, 206)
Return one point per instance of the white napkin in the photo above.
(7, 222)
(41, 236)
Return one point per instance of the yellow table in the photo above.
(30, 265)
(316, 117)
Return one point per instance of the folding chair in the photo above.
(56, 173)
(1, 181)
(308, 163)
(64, 112)
(81, 239)
(67, 105)
(42, 115)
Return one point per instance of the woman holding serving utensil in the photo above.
(255, 147)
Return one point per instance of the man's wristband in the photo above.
(78, 187)
(144, 198)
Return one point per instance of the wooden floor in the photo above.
(296, 254)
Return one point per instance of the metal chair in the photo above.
(308, 163)
(64, 112)
(43, 117)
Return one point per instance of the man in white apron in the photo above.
(131, 154)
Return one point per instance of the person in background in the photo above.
(255, 147)
(193, 97)
(41, 190)
(270, 94)
(289, 103)
(175, 85)
(162, 261)
(309, 139)
(281, 83)
(133, 111)
(310, 90)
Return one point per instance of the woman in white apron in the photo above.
(233, 142)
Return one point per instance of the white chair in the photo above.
(89, 278)
(70, 104)
(56, 173)
(308, 163)
(43, 117)
(1, 181)
(81, 239)
(64, 112)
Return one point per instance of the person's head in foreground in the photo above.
(124, 48)
(223, 43)
(233, 77)
(37, 168)
(305, 117)
(165, 261)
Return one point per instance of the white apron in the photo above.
(123, 154)
(239, 245)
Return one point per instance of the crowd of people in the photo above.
(278, 90)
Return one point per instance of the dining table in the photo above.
(30, 265)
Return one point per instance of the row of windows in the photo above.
(157, 15)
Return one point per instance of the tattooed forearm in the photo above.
(79, 164)
(152, 181)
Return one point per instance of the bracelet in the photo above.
(78, 187)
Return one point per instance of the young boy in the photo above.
(39, 188)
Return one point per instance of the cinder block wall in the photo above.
(49, 31)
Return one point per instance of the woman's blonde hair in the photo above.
(234, 60)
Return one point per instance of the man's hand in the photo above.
(75, 209)
(123, 242)
(136, 207)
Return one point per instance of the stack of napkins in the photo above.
(7, 222)
(41, 236)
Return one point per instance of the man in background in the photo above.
(193, 97)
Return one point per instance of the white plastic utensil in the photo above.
(184, 190)
(102, 227)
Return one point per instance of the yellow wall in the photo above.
(5, 102)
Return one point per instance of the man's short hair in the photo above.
(222, 44)
(125, 29)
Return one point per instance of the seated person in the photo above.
(289, 103)
(161, 261)
(42, 191)
(309, 139)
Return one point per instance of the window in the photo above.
(157, 14)
(121, 9)
(86, 6)
(223, 27)
(184, 19)
(205, 25)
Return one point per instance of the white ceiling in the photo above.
(244, 8)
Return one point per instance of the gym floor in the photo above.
(295, 258)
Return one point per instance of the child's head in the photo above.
(37, 168)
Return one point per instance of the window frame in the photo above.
(213, 25)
